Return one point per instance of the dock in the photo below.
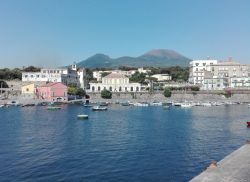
(233, 168)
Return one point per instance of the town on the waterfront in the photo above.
(204, 82)
(130, 91)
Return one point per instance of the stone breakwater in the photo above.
(176, 96)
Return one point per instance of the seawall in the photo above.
(176, 96)
(234, 168)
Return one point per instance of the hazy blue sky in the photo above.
(59, 32)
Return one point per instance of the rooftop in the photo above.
(115, 75)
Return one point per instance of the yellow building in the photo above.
(28, 89)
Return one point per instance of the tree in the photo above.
(32, 69)
(105, 74)
(138, 77)
(167, 92)
(105, 94)
(76, 91)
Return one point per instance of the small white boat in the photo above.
(207, 104)
(186, 105)
(166, 107)
(99, 108)
(1, 106)
(141, 104)
(156, 104)
(82, 116)
(248, 105)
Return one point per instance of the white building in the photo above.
(162, 77)
(197, 70)
(115, 82)
(129, 73)
(68, 76)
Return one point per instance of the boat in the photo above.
(125, 104)
(166, 107)
(82, 116)
(53, 108)
(99, 108)
(87, 105)
(141, 104)
(248, 123)
(207, 104)
(178, 104)
(28, 105)
(186, 105)
(156, 104)
(248, 105)
(1, 106)
(103, 104)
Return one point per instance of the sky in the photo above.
(51, 33)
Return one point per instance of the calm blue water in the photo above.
(121, 144)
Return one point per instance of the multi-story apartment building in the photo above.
(198, 69)
(227, 74)
(68, 76)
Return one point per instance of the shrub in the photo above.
(105, 94)
(167, 92)
(195, 88)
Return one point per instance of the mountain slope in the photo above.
(154, 58)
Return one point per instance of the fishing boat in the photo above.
(99, 108)
(82, 116)
(53, 108)
(248, 123)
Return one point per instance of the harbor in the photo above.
(122, 143)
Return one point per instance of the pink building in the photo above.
(52, 92)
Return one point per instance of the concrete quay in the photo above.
(233, 168)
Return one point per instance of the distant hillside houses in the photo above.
(215, 75)
(99, 74)
(115, 82)
(69, 76)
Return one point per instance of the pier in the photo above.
(234, 168)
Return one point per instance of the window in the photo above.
(27, 89)
(204, 64)
(99, 88)
(197, 64)
(126, 89)
(137, 89)
(110, 88)
(131, 89)
(120, 89)
(93, 88)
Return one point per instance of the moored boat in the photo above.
(99, 108)
(186, 105)
(248, 123)
(53, 108)
(82, 116)
(141, 104)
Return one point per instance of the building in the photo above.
(162, 77)
(115, 82)
(28, 90)
(227, 74)
(98, 74)
(54, 91)
(69, 76)
(197, 70)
